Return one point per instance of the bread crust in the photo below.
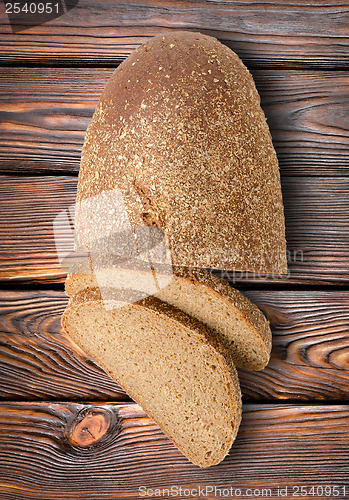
(93, 296)
(179, 131)
(252, 313)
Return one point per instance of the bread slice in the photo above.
(169, 363)
(238, 322)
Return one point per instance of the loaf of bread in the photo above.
(178, 149)
(236, 320)
(168, 362)
(179, 133)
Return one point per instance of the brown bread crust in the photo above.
(221, 287)
(180, 132)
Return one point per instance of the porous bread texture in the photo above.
(179, 131)
(236, 320)
(169, 363)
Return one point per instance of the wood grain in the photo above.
(310, 357)
(44, 113)
(267, 33)
(38, 361)
(109, 448)
(276, 446)
(44, 116)
(317, 229)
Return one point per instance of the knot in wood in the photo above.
(89, 427)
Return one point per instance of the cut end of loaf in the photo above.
(169, 364)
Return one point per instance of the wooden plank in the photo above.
(71, 451)
(310, 357)
(266, 33)
(38, 361)
(44, 114)
(317, 229)
(28, 207)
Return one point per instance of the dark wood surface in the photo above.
(55, 443)
(44, 114)
(317, 231)
(110, 451)
(309, 360)
(267, 33)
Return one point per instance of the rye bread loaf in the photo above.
(169, 363)
(236, 320)
(179, 133)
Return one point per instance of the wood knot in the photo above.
(89, 427)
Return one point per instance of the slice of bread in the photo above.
(237, 321)
(169, 363)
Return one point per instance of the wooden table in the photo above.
(67, 430)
